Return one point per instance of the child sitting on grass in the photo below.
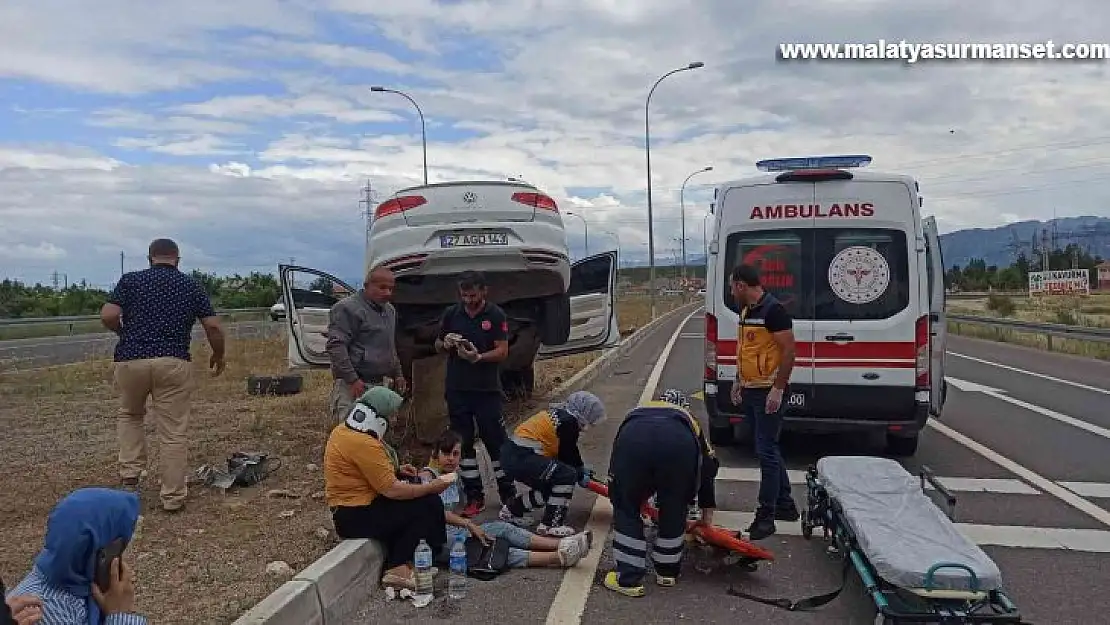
(526, 549)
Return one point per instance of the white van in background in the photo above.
(849, 255)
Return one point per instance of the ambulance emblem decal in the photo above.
(859, 275)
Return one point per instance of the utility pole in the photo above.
(54, 279)
(368, 214)
(121, 257)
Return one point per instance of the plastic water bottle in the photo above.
(423, 561)
(456, 584)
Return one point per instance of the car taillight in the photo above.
(398, 205)
(536, 200)
(710, 347)
(921, 345)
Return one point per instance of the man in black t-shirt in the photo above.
(475, 336)
(764, 361)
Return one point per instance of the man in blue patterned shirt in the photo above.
(153, 312)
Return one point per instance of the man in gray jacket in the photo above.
(362, 343)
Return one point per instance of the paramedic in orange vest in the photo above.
(543, 453)
(764, 360)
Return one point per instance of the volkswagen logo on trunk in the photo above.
(470, 197)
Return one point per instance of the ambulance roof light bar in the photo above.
(814, 162)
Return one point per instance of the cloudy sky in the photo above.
(245, 129)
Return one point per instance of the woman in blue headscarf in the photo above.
(82, 524)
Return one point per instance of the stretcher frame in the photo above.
(896, 604)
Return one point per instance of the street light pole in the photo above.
(647, 151)
(423, 128)
(585, 229)
(682, 207)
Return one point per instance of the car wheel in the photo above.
(901, 446)
(274, 384)
(555, 320)
(519, 383)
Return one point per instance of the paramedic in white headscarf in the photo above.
(543, 454)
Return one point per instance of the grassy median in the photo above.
(207, 564)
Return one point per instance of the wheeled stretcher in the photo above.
(913, 561)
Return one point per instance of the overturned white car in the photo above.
(510, 231)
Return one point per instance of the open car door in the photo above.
(938, 319)
(593, 307)
(308, 295)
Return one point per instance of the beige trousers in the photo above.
(169, 383)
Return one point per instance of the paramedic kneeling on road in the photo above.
(659, 448)
(543, 453)
(764, 360)
(372, 496)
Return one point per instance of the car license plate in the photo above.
(474, 240)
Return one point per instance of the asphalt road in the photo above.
(22, 354)
(1020, 444)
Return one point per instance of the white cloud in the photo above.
(263, 122)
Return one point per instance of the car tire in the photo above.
(519, 383)
(275, 384)
(555, 320)
(901, 446)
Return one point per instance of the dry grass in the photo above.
(1092, 311)
(1087, 349)
(206, 564)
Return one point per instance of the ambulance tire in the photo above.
(722, 436)
(901, 446)
(741, 434)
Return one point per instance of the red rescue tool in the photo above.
(716, 536)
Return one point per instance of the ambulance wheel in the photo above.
(721, 435)
(901, 446)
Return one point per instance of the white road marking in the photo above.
(1022, 537)
(691, 335)
(1088, 489)
(1029, 476)
(570, 600)
(1033, 373)
(974, 387)
(955, 484)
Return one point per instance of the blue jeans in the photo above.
(519, 539)
(774, 484)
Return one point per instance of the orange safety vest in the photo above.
(758, 356)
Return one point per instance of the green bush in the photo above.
(1001, 305)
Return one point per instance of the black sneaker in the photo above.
(788, 513)
(761, 528)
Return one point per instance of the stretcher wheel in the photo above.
(807, 527)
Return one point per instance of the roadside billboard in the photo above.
(1060, 282)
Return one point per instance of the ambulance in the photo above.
(861, 273)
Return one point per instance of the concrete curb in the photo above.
(332, 588)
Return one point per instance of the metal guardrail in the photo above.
(1079, 333)
(32, 321)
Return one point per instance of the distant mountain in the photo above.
(1000, 246)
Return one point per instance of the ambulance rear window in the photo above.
(868, 281)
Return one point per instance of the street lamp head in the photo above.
(710, 168)
(377, 88)
(695, 65)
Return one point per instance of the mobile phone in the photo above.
(104, 559)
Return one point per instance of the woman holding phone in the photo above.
(79, 577)
(371, 495)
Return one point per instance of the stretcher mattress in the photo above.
(899, 529)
